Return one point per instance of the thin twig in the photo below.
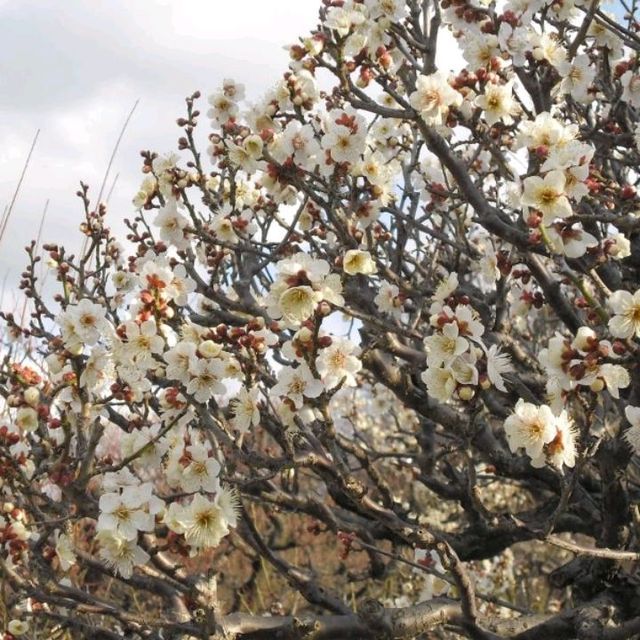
(109, 165)
(7, 212)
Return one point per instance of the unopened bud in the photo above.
(32, 396)
(585, 339)
(466, 393)
(209, 349)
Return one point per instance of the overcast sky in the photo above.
(74, 69)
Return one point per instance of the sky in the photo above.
(73, 69)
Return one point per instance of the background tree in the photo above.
(368, 369)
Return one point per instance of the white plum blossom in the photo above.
(547, 195)
(577, 76)
(206, 375)
(569, 155)
(358, 261)
(586, 338)
(27, 419)
(223, 107)
(64, 550)
(180, 359)
(545, 131)
(446, 287)
(222, 226)
(549, 48)
(303, 282)
(145, 446)
(229, 504)
(376, 169)
(464, 370)
(444, 347)
(179, 287)
(530, 427)
(298, 303)
(154, 272)
(201, 472)
(388, 299)
(480, 51)
(625, 306)
(545, 437)
(204, 523)
(571, 240)
(618, 246)
(246, 154)
(98, 369)
(172, 225)
(514, 41)
(297, 384)
(606, 37)
(433, 98)
(497, 103)
(17, 627)
(394, 271)
(393, 10)
(120, 553)
(614, 377)
(128, 512)
(83, 324)
(299, 142)
(342, 19)
(467, 321)
(246, 413)
(343, 144)
(440, 383)
(143, 342)
(338, 363)
(579, 362)
(562, 449)
(233, 89)
(498, 363)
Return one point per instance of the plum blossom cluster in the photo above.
(544, 436)
(302, 284)
(458, 361)
(333, 332)
(559, 183)
(625, 322)
(585, 361)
